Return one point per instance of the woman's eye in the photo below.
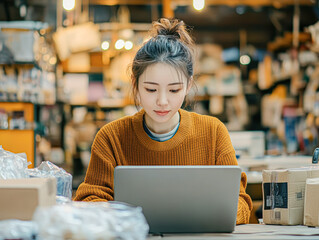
(150, 90)
(175, 90)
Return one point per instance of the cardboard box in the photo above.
(311, 210)
(283, 195)
(20, 197)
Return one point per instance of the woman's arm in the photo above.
(225, 155)
(245, 204)
(98, 183)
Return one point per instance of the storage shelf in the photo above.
(29, 129)
(287, 40)
(21, 64)
(20, 140)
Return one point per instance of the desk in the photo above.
(252, 231)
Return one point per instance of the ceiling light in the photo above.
(244, 59)
(128, 45)
(240, 10)
(68, 4)
(199, 4)
(23, 10)
(119, 44)
(105, 45)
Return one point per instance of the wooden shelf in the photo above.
(28, 109)
(17, 140)
(208, 2)
(28, 65)
(106, 103)
(13, 130)
(286, 41)
(202, 98)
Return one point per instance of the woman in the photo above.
(161, 133)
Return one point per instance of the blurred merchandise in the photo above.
(77, 62)
(4, 124)
(249, 144)
(292, 122)
(274, 144)
(17, 120)
(6, 56)
(76, 88)
(76, 39)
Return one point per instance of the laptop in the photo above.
(181, 199)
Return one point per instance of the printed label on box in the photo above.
(275, 195)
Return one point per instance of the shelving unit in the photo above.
(27, 82)
(20, 140)
(287, 40)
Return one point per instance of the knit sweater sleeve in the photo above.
(98, 183)
(225, 155)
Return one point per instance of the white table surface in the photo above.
(252, 231)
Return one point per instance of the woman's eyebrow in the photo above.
(176, 83)
(154, 83)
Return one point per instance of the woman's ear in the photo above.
(190, 84)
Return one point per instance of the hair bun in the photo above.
(172, 27)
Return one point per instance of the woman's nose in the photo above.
(162, 99)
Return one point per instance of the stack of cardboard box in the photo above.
(284, 199)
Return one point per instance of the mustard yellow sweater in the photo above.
(199, 140)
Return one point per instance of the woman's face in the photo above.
(161, 92)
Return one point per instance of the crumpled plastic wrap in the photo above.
(91, 220)
(64, 179)
(18, 229)
(13, 165)
(62, 200)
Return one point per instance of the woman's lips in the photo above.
(161, 113)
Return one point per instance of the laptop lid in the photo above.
(181, 199)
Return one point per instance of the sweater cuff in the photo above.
(243, 212)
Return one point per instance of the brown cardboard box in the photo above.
(20, 197)
(283, 195)
(311, 211)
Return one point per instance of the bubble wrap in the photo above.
(64, 179)
(17, 229)
(13, 165)
(91, 220)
